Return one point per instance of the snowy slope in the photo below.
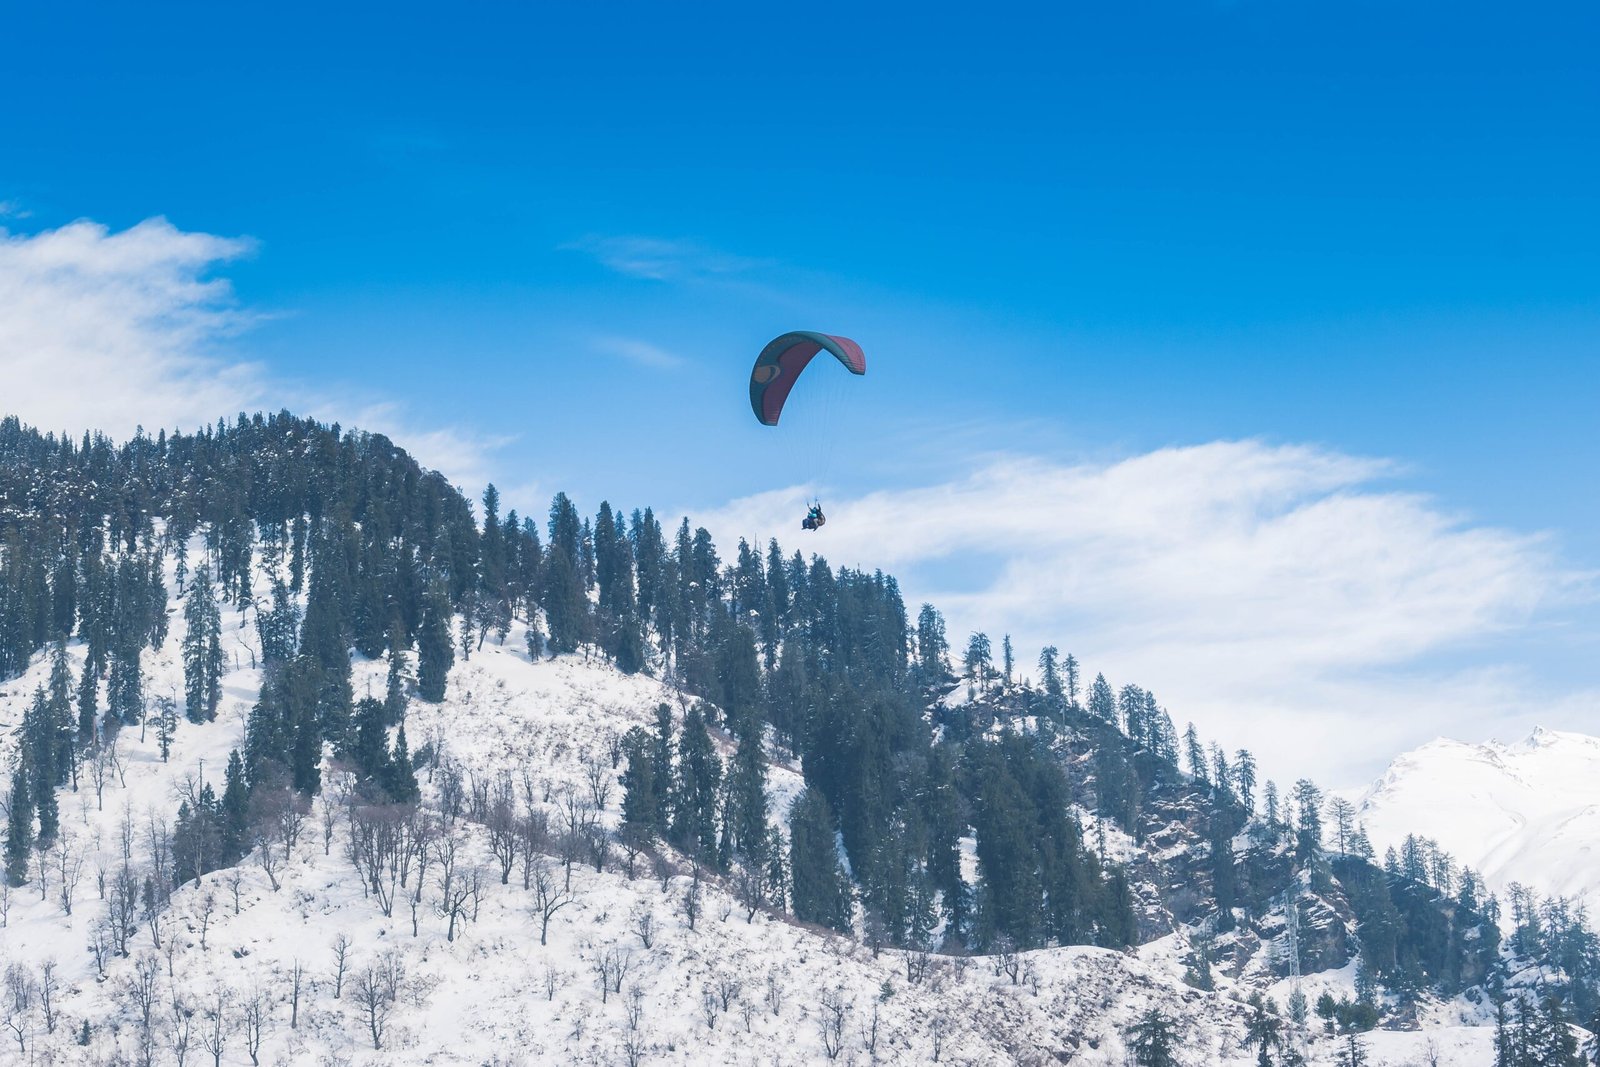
(1527, 812)
(724, 991)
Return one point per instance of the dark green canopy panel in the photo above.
(780, 364)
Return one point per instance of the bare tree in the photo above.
(533, 837)
(598, 776)
(452, 792)
(635, 1006)
(255, 1012)
(207, 908)
(378, 848)
(455, 885)
(180, 1027)
(611, 966)
(936, 1027)
(102, 757)
(297, 974)
(140, 990)
(775, 997)
(69, 869)
(501, 821)
(20, 993)
(373, 996)
(122, 910)
(831, 1012)
(644, 924)
(553, 981)
(750, 887)
(49, 986)
(99, 944)
(708, 1007)
(692, 896)
(549, 897)
(214, 1025)
(728, 988)
(341, 963)
(328, 818)
(234, 880)
(269, 861)
(869, 1033)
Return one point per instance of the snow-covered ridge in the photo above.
(716, 989)
(1526, 812)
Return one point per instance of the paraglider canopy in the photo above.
(780, 364)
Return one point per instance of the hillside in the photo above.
(604, 797)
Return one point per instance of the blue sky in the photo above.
(546, 243)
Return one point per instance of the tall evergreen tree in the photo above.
(202, 650)
(19, 826)
(1102, 703)
(695, 791)
(821, 891)
(435, 654)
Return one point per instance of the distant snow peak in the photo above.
(1525, 812)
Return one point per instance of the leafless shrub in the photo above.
(831, 1013)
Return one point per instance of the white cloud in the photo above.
(661, 259)
(110, 331)
(640, 353)
(1275, 594)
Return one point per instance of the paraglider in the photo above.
(780, 365)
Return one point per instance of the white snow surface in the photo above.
(1526, 812)
(494, 995)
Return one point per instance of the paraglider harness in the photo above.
(814, 518)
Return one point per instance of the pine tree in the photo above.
(19, 826)
(1102, 703)
(1308, 832)
(1244, 779)
(234, 813)
(166, 725)
(1194, 753)
(641, 806)
(1264, 1030)
(821, 892)
(933, 648)
(699, 774)
(1153, 1040)
(747, 818)
(202, 650)
(434, 652)
(370, 748)
(661, 749)
(88, 713)
(978, 661)
(58, 708)
(1050, 671)
(39, 755)
(402, 784)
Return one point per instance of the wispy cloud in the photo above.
(12, 209)
(640, 353)
(113, 330)
(661, 259)
(1245, 583)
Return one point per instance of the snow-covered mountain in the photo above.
(627, 975)
(1527, 812)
